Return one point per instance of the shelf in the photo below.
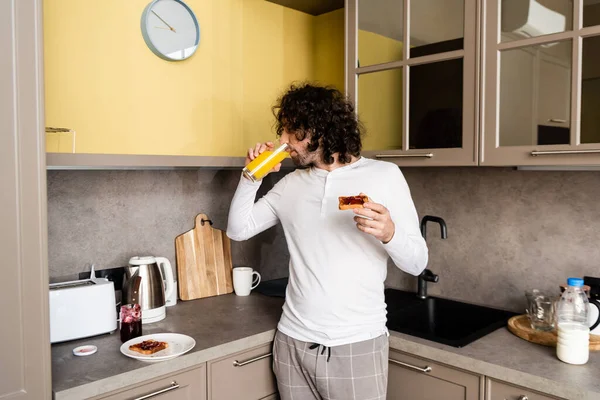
(69, 161)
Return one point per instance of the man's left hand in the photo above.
(380, 225)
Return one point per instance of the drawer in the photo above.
(188, 385)
(497, 390)
(414, 378)
(247, 375)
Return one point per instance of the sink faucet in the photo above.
(428, 218)
(427, 275)
(424, 277)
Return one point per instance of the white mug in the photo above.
(243, 281)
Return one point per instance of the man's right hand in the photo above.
(253, 152)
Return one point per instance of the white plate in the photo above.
(178, 345)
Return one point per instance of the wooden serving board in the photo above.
(204, 266)
(520, 326)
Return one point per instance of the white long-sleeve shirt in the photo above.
(335, 293)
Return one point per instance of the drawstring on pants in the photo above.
(315, 345)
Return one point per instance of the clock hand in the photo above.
(165, 22)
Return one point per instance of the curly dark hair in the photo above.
(325, 115)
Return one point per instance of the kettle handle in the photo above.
(164, 266)
(596, 304)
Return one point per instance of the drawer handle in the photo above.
(552, 152)
(556, 121)
(410, 155)
(174, 386)
(427, 369)
(237, 363)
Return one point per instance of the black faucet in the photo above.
(427, 275)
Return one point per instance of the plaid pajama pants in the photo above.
(307, 371)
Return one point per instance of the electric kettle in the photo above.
(152, 292)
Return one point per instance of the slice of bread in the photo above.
(148, 347)
(349, 202)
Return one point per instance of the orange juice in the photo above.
(261, 165)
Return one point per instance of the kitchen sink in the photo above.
(445, 321)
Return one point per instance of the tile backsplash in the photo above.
(106, 217)
(508, 230)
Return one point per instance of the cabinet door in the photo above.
(412, 75)
(497, 390)
(413, 378)
(517, 122)
(557, 89)
(554, 92)
(189, 385)
(243, 376)
(25, 360)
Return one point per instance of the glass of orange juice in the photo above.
(264, 162)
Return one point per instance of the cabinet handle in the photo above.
(174, 386)
(409, 155)
(237, 363)
(556, 121)
(555, 152)
(426, 369)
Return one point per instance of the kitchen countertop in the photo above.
(228, 324)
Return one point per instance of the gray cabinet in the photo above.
(497, 390)
(187, 385)
(412, 73)
(25, 360)
(246, 375)
(414, 378)
(539, 92)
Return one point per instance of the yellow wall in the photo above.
(104, 82)
(329, 49)
(379, 101)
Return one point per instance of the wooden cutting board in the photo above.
(520, 326)
(204, 266)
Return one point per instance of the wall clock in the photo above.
(170, 29)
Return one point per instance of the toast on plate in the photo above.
(148, 347)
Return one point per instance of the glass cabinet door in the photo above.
(541, 89)
(591, 13)
(436, 105)
(380, 97)
(412, 74)
(535, 95)
(590, 90)
(380, 31)
(436, 26)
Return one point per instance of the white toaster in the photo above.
(81, 309)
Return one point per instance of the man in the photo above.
(332, 341)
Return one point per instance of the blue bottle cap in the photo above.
(577, 282)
